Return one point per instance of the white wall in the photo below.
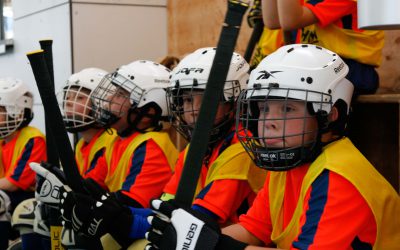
(35, 20)
(106, 34)
(110, 33)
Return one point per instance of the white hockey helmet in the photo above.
(191, 75)
(78, 115)
(146, 83)
(310, 72)
(302, 73)
(17, 101)
(193, 72)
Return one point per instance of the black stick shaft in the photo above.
(212, 95)
(43, 81)
(255, 37)
(51, 148)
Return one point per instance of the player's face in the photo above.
(119, 103)
(191, 107)
(77, 102)
(284, 124)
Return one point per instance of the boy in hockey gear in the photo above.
(78, 115)
(320, 192)
(229, 180)
(132, 101)
(19, 145)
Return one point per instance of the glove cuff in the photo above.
(121, 227)
(227, 242)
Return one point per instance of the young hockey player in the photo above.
(20, 144)
(78, 114)
(321, 192)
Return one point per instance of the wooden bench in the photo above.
(374, 129)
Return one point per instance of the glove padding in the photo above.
(5, 205)
(178, 228)
(41, 222)
(97, 213)
(49, 181)
(255, 14)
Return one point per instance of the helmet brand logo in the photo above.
(161, 81)
(265, 74)
(241, 65)
(269, 156)
(339, 68)
(187, 71)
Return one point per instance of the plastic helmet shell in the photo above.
(303, 67)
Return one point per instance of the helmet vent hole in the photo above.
(257, 86)
(132, 77)
(309, 80)
(329, 91)
(302, 79)
(290, 50)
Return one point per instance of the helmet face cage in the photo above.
(78, 111)
(11, 119)
(269, 137)
(184, 118)
(114, 97)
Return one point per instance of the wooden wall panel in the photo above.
(389, 71)
(197, 23)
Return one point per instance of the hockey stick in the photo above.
(255, 37)
(212, 94)
(52, 153)
(43, 81)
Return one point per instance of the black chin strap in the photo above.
(141, 113)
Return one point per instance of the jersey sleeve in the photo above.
(330, 11)
(333, 208)
(172, 184)
(94, 162)
(223, 198)
(22, 175)
(148, 173)
(99, 172)
(258, 219)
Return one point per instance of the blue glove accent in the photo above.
(139, 223)
(141, 211)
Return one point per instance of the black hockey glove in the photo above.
(97, 213)
(255, 14)
(176, 228)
